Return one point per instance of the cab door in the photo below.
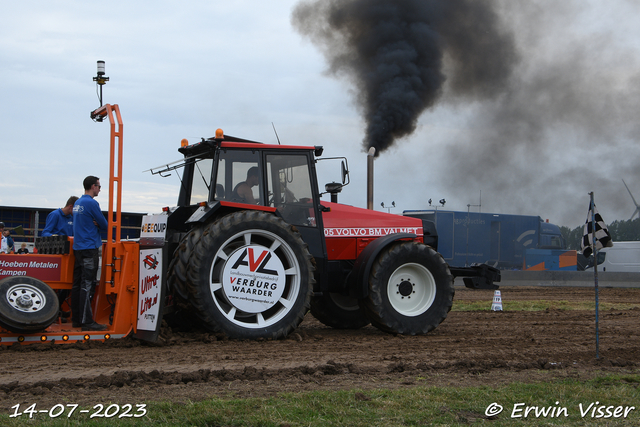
(292, 189)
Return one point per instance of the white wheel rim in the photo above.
(26, 298)
(291, 269)
(411, 289)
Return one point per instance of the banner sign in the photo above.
(43, 267)
(149, 289)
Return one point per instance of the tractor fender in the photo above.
(203, 213)
(359, 277)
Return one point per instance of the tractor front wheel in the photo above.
(410, 289)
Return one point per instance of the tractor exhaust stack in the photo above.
(370, 157)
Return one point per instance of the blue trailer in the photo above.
(502, 241)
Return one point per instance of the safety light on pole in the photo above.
(100, 80)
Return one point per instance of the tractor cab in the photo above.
(225, 172)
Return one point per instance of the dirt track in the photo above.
(468, 348)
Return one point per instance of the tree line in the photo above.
(620, 230)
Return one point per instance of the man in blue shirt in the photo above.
(88, 220)
(60, 221)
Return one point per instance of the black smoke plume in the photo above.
(399, 54)
(565, 124)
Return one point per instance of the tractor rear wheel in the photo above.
(250, 276)
(177, 277)
(338, 311)
(27, 305)
(410, 289)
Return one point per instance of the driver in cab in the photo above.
(242, 192)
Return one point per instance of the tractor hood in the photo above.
(349, 221)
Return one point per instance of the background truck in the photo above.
(503, 241)
(248, 270)
(621, 257)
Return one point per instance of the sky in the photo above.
(563, 124)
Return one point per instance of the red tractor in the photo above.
(248, 251)
(251, 264)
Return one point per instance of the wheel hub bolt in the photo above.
(24, 301)
(405, 288)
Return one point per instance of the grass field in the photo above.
(605, 401)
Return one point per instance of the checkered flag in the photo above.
(603, 238)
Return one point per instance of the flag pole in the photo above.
(595, 271)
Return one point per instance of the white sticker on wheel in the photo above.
(253, 279)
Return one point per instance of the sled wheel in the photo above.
(410, 289)
(250, 276)
(27, 304)
(177, 276)
(338, 311)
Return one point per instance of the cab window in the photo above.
(239, 177)
(201, 181)
(289, 188)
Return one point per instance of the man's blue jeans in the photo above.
(84, 284)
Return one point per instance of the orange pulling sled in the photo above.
(29, 304)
